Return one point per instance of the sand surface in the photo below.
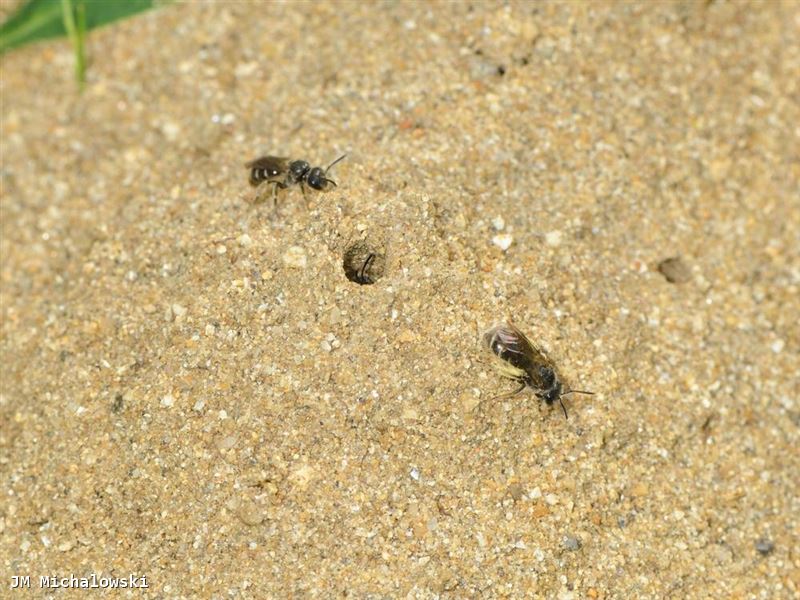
(193, 390)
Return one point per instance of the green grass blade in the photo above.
(75, 23)
(42, 19)
(36, 20)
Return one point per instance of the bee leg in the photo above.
(259, 193)
(564, 408)
(275, 195)
(516, 392)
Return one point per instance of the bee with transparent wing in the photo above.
(515, 357)
(281, 173)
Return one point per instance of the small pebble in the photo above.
(553, 238)
(171, 130)
(551, 499)
(777, 346)
(249, 513)
(406, 336)
(228, 442)
(571, 543)
(414, 473)
(503, 241)
(498, 223)
(331, 339)
(482, 68)
(295, 257)
(167, 401)
(410, 414)
(246, 69)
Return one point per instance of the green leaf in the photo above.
(43, 19)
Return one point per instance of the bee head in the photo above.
(552, 394)
(298, 170)
(316, 179)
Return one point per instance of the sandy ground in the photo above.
(193, 390)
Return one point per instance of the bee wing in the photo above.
(514, 340)
(267, 169)
(537, 358)
(271, 163)
(511, 343)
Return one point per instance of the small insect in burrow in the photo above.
(515, 357)
(281, 173)
(363, 276)
(363, 262)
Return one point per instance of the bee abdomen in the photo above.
(257, 175)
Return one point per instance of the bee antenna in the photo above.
(333, 163)
(561, 402)
(577, 392)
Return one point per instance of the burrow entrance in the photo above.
(364, 262)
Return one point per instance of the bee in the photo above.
(281, 173)
(515, 357)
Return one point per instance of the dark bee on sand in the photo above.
(281, 173)
(515, 357)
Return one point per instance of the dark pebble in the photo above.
(571, 543)
(765, 546)
(674, 270)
